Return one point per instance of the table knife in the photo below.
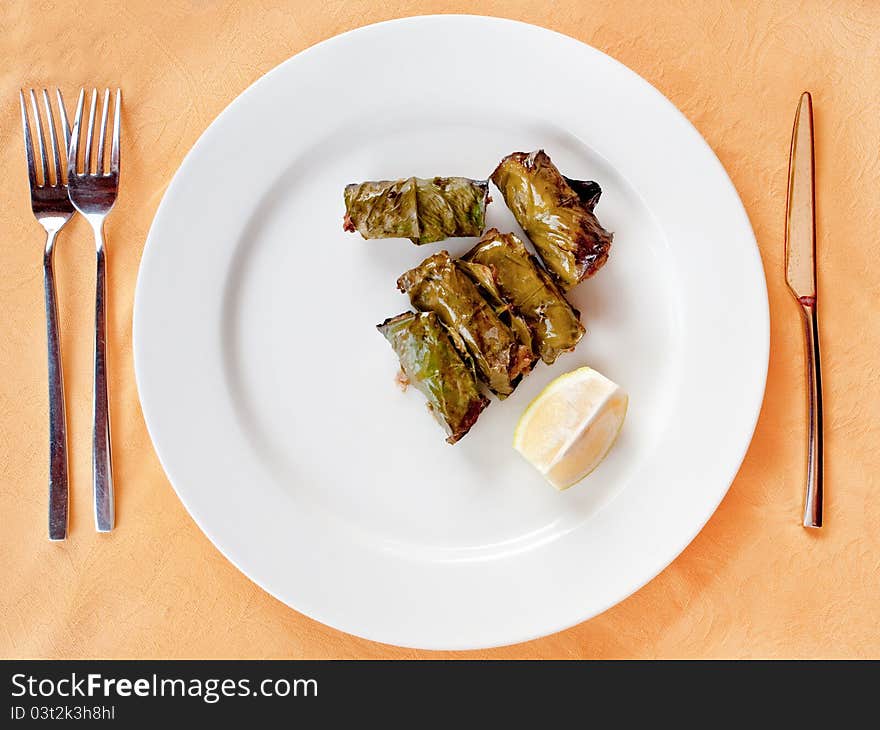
(800, 274)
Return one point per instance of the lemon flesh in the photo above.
(570, 427)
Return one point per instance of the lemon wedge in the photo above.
(569, 428)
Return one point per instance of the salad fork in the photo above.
(52, 209)
(93, 193)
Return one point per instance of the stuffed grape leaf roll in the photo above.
(439, 285)
(434, 365)
(484, 278)
(422, 210)
(556, 213)
(530, 292)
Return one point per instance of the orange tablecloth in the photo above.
(752, 584)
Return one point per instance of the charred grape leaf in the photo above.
(556, 213)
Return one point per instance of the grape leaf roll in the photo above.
(432, 363)
(439, 285)
(422, 210)
(556, 214)
(529, 290)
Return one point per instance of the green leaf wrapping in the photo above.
(435, 366)
(422, 210)
(556, 213)
(439, 285)
(518, 280)
(484, 277)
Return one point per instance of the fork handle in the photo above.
(102, 474)
(814, 496)
(58, 479)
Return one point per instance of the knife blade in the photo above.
(800, 218)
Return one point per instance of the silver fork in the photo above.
(52, 209)
(93, 193)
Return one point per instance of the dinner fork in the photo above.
(52, 209)
(93, 193)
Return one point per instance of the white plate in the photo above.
(270, 397)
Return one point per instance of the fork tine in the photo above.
(65, 126)
(38, 123)
(90, 132)
(73, 149)
(28, 142)
(56, 155)
(114, 150)
(103, 130)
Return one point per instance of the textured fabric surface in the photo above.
(752, 584)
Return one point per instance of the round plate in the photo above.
(270, 396)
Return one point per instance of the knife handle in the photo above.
(814, 491)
